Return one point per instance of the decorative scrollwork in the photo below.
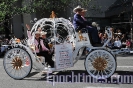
(57, 29)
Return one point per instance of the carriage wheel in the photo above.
(100, 64)
(17, 63)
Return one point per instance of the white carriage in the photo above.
(68, 46)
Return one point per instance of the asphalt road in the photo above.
(38, 80)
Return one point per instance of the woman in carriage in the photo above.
(40, 48)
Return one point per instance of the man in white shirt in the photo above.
(117, 43)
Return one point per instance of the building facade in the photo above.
(105, 13)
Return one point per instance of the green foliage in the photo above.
(11, 7)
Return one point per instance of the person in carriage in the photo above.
(45, 40)
(47, 44)
(40, 48)
(80, 22)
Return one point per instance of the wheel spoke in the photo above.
(102, 73)
(110, 65)
(109, 60)
(18, 73)
(98, 74)
(105, 72)
(21, 72)
(90, 58)
(15, 73)
(11, 70)
(94, 72)
(101, 54)
(95, 56)
(109, 70)
(9, 67)
(24, 70)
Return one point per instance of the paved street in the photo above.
(39, 80)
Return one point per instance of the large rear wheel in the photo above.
(100, 64)
(17, 63)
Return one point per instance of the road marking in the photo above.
(124, 66)
(124, 58)
(101, 87)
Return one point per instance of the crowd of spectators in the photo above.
(3, 43)
(3, 40)
(119, 40)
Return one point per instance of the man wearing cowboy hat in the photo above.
(79, 20)
(80, 23)
(45, 42)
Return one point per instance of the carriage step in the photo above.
(48, 70)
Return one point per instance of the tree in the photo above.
(10, 8)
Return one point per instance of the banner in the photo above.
(63, 56)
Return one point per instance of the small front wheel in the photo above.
(100, 64)
(17, 63)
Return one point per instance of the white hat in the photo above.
(94, 24)
(78, 8)
(37, 32)
(84, 10)
(43, 33)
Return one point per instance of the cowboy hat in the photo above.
(78, 8)
(37, 32)
(83, 10)
(43, 33)
(94, 24)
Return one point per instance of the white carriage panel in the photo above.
(63, 56)
(84, 42)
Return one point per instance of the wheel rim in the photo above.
(100, 64)
(17, 63)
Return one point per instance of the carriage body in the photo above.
(68, 46)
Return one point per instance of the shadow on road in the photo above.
(81, 76)
(32, 74)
